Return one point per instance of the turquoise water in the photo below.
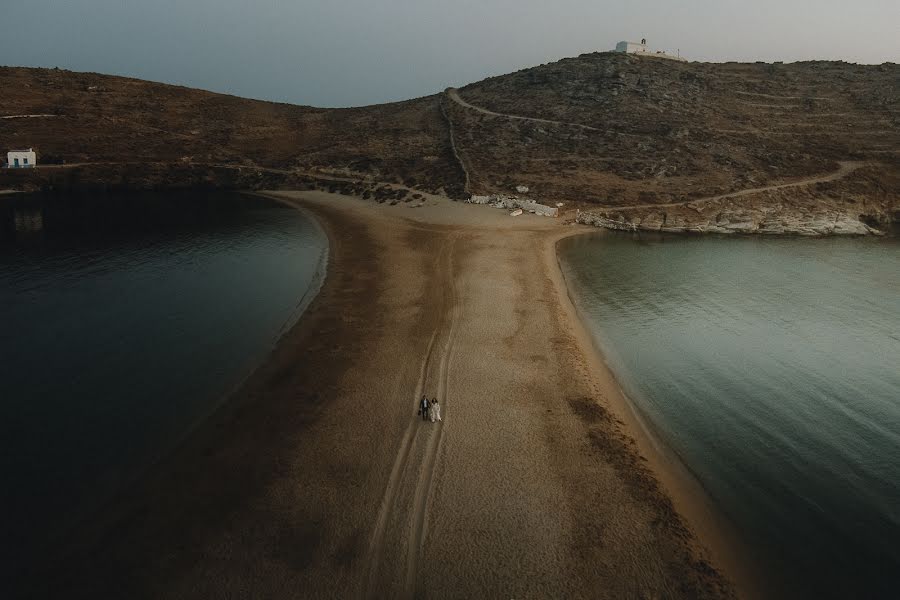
(772, 368)
(126, 321)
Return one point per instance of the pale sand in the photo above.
(319, 480)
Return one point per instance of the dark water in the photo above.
(772, 367)
(125, 321)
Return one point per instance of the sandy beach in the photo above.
(317, 479)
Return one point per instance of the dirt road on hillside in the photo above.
(453, 94)
(845, 168)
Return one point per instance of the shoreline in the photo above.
(95, 504)
(165, 478)
(316, 478)
(319, 278)
(714, 530)
(162, 456)
(718, 537)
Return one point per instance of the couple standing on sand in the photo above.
(430, 409)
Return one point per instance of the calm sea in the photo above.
(772, 368)
(125, 321)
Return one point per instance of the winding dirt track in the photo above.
(453, 94)
(238, 167)
(845, 168)
(28, 116)
(454, 147)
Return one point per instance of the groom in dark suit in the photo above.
(423, 408)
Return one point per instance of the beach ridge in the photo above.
(318, 479)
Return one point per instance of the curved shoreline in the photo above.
(319, 277)
(170, 479)
(166, 441)
(691, 499)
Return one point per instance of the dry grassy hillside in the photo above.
(608, 130)
(665, 130)
(103, 119)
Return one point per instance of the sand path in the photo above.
(318, 479)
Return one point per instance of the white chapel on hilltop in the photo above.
(641, 49)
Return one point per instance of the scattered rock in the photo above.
(776, 221)
(513, 202)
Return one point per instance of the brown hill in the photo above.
(622, 132)
(111, 130)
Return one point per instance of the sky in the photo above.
(334, 53)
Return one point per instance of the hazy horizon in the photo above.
(353, 53)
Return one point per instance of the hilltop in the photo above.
(627, 134)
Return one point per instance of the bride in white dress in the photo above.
(434, 411)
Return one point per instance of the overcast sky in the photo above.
(356, 52)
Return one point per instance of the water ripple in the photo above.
(773, 368)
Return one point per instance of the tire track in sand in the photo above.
(401, 462)
(418, 528)
(376, 545)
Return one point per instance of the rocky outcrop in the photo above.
(772, 222)
(514, 202)
(861, 203)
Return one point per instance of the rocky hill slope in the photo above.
(637, 142)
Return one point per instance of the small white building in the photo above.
(632, 47)
(641, 49)
(21, 159)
